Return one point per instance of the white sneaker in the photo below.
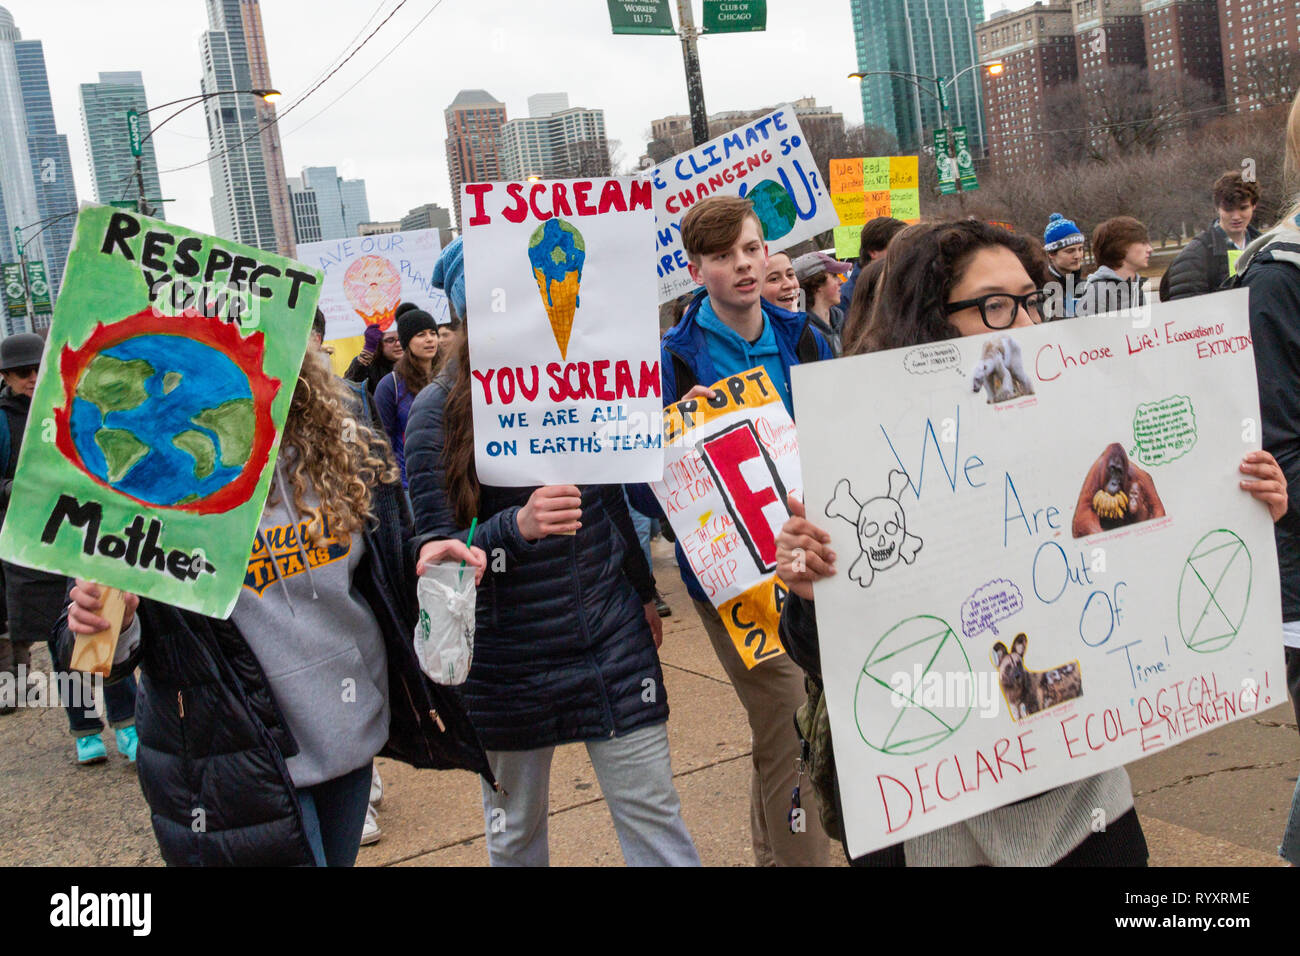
(376, 788)
(370, 833)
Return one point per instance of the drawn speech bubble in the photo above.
(1163, 431)
(994, 602)
(931, 358)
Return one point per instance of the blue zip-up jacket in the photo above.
(685, 342)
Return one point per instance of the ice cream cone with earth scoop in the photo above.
(557, 253)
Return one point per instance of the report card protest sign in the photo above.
(767, 161)
(729, 462)
(563, 332)
(167, 376)
(1045, 566)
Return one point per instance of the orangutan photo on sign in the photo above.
(1115, 493)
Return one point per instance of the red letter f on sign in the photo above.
(725, 454)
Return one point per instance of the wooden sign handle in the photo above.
(93, 653)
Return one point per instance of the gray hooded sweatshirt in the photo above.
(317, 640)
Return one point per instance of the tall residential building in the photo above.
(1261, 52)
(554, 141)
(1182, 41)
(1036, 47)
(927, 38)
(250, 196)
(474, 121)
(1108, 34)
(104, 106)
(36, 184)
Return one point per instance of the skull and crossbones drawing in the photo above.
(882, 528)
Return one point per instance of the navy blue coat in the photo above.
(562, 649)
(212, 738)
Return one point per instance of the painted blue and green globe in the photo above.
(163, 418)
(775, 208)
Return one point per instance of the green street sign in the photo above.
(943, 93)
(18, 239)
(11, 277)
(735, 16)
(641, 17)
(39, 286)
(943, 163)
(133, 130)
(965, 165)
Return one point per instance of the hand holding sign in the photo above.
(803, 552)
(551, 509)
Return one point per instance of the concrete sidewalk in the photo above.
(1218, 800)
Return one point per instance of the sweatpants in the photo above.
(770, 693)
(636, 779)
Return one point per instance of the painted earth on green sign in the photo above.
(165, 419)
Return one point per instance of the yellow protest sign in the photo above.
(903, 173)
(852, 208)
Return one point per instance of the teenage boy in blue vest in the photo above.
(727, 329)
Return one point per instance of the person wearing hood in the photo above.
(1204, 264)
(1063, 242)
(418, 334)
(820, 278)
(1270, 269)
(268, 723)
(1122, 249)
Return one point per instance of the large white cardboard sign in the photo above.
(1046, 567)
(563, 332)
(766, 160)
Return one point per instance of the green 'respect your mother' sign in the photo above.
(167, 376)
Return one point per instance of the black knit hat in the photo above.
(403, 308)
(411, 323)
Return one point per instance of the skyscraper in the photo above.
(250, 197)
(104, 106)
(929, 38)
(327, 206)
(474, 120)
(36, 184)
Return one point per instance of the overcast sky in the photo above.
(389, 128)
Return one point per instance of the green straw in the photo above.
(469, 539)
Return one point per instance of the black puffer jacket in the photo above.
(1272, 273)
(1202, 266)
(562, 650)
(213, 742)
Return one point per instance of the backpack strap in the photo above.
(683, 376)
(806, 349)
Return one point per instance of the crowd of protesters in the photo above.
(376, 479)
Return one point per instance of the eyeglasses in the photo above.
(998, 309)
(23, 371)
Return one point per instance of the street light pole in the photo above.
(27, 286)
(694, 85)
(137, 141)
